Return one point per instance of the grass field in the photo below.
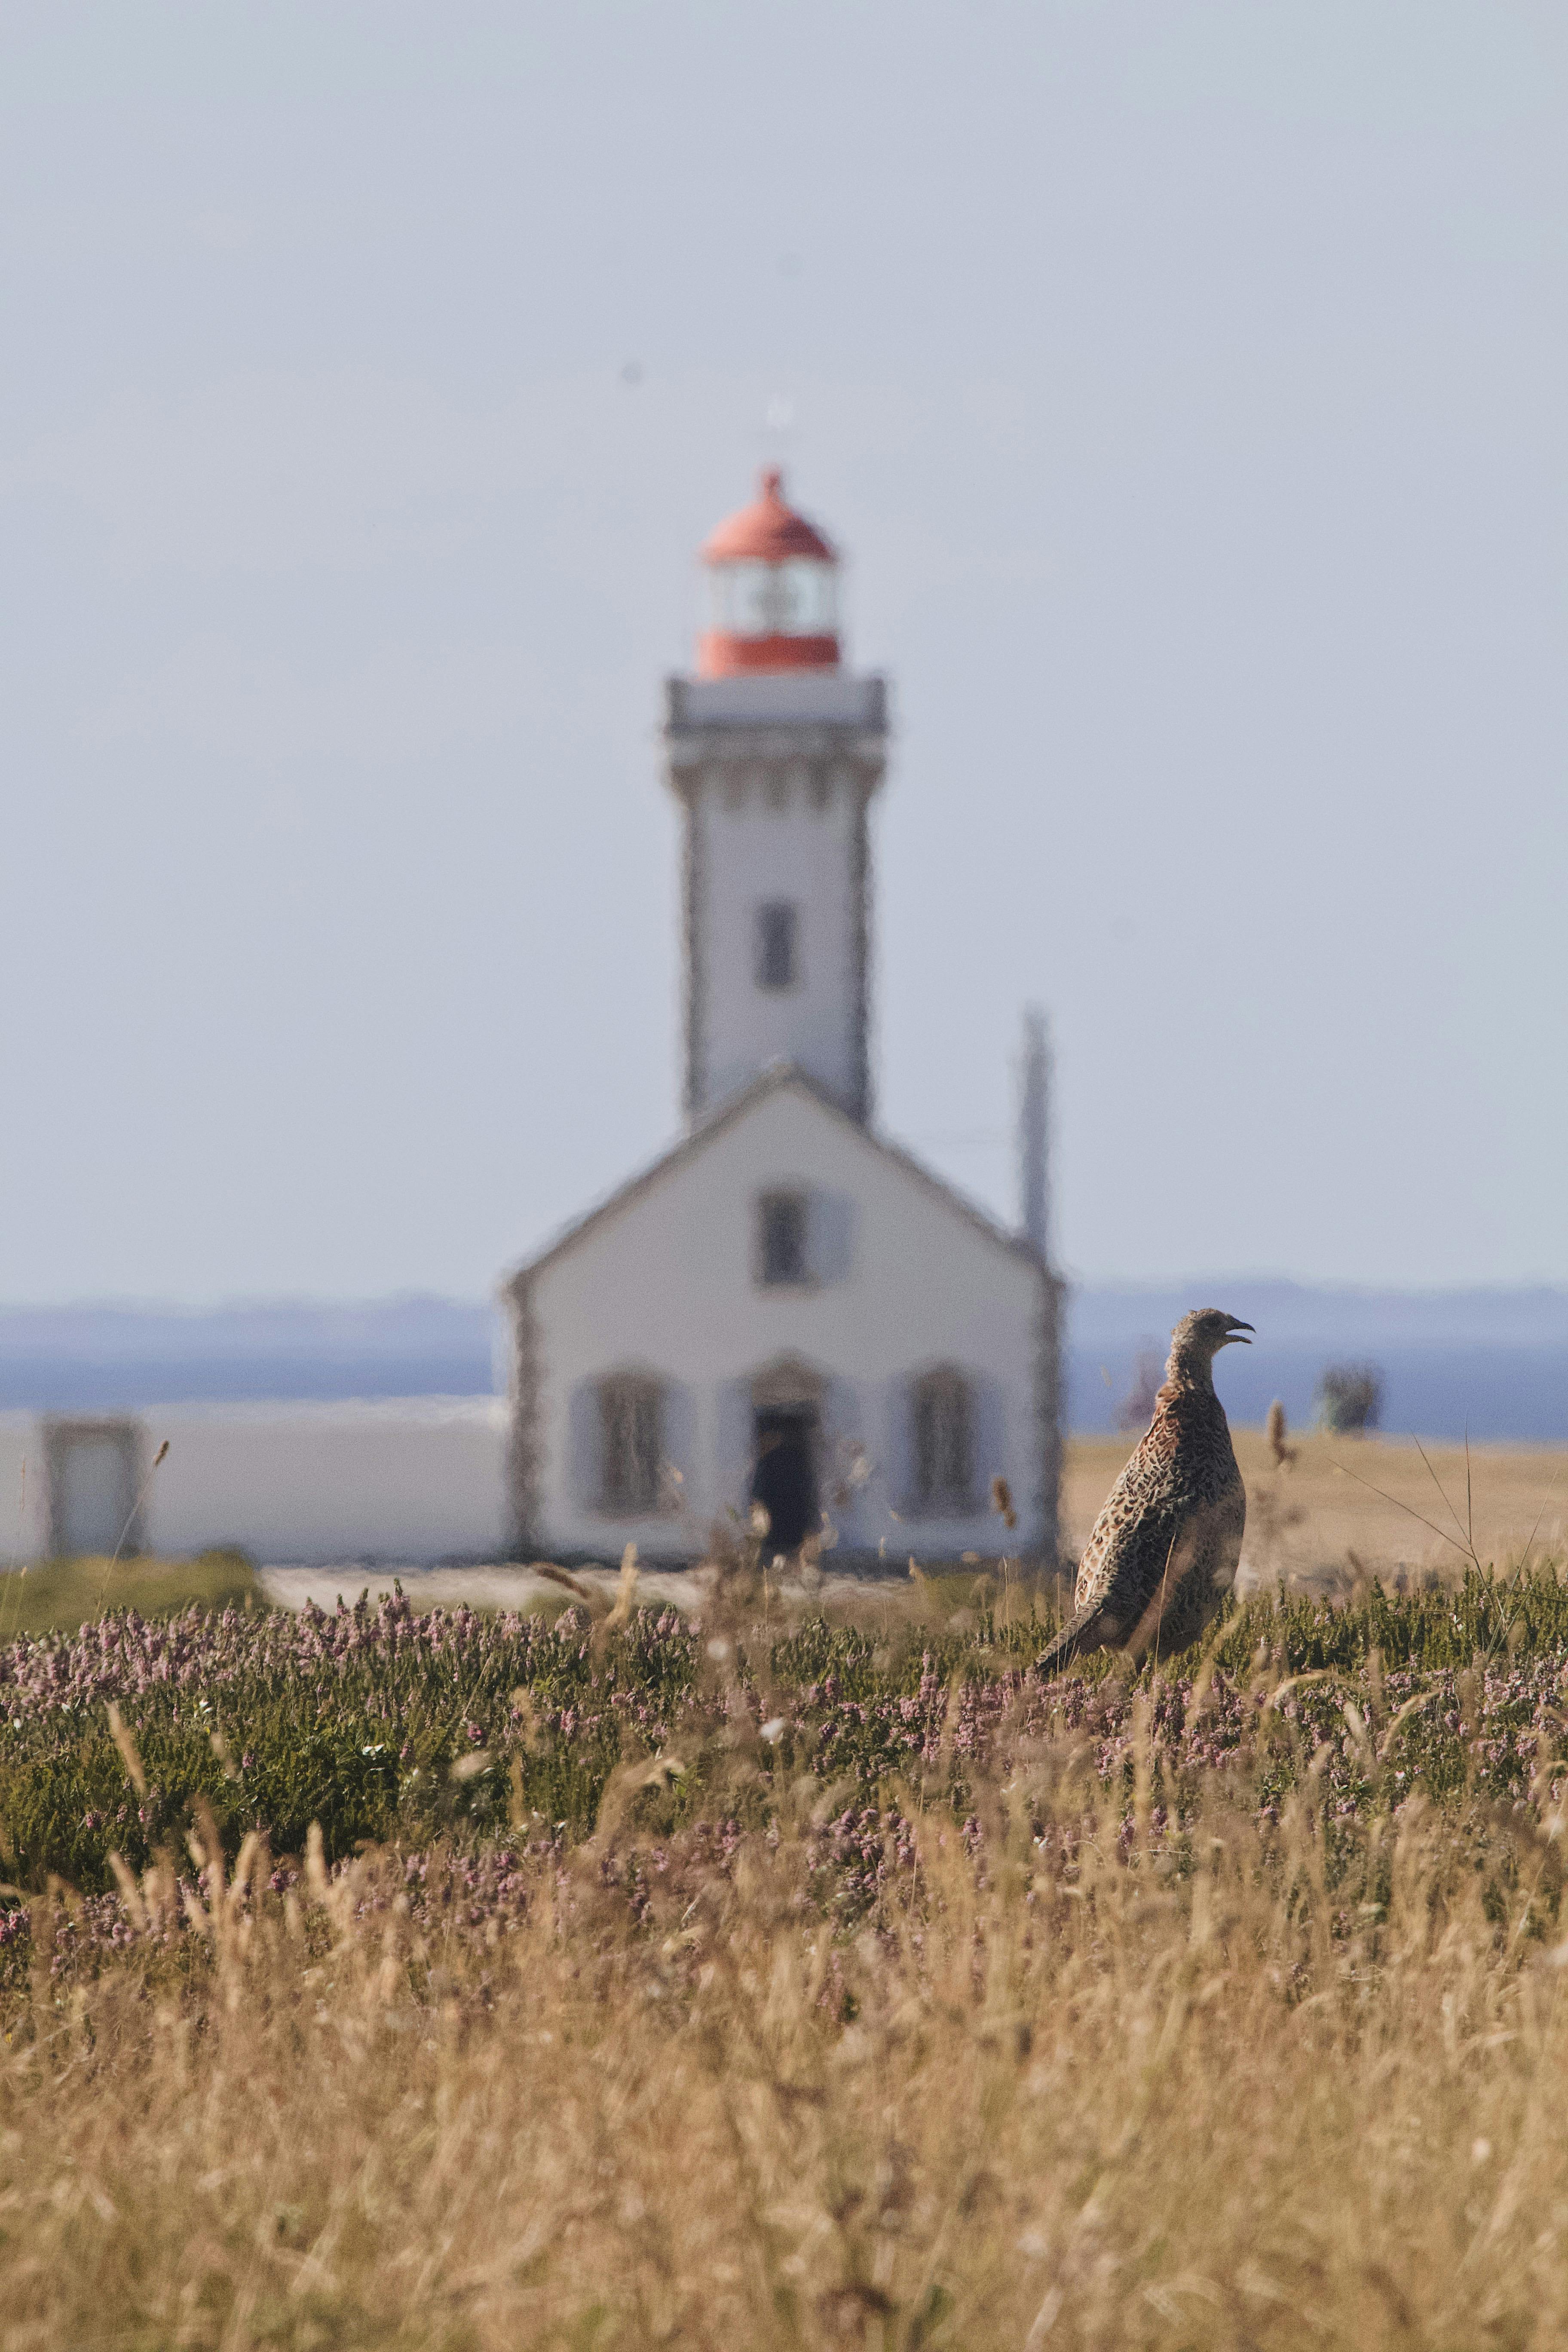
(483, 1981)
(61, 1594)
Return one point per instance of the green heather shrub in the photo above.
(381, 1724)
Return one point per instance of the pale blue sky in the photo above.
(1187, 383)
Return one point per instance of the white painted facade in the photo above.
(776, 776)
(786, 841)
(404, 1479)
(663, 1284)
(24, 1489)
(396, 1478)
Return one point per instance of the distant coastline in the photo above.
(1494, 1361)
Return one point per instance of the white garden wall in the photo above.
(405, 1479)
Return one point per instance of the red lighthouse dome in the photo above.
(773, 591)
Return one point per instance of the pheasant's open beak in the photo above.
(1235, 1331)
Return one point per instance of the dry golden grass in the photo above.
(1315, 1522)
(1101, 2093)
(1275, 2078)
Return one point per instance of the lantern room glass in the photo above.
(797, 599)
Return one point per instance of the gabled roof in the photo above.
(780, 1077)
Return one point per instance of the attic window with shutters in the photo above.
(631, 1443)
(943, 1448)
(778, 948)
(781, 1239)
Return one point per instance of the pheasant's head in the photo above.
(1198, 1338)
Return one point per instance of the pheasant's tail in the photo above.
(1082, 1632)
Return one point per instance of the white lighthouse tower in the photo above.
(784, 1320)
(774, 750)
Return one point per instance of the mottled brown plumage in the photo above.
(1164, 1549)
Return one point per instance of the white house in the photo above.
(785, 1308)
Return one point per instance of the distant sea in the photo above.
(1492, 1362)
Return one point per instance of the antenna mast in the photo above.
(1034, 1130)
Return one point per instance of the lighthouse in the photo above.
(784, 1322)
(774, 750)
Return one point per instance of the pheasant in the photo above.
(1164, 1548)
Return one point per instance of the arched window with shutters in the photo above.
(631, 1443)
(942, 1443)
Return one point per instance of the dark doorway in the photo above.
(785, 1480)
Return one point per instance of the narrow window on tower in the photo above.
(781, 1238)
(778, 960)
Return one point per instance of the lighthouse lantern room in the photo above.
(772, 591)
